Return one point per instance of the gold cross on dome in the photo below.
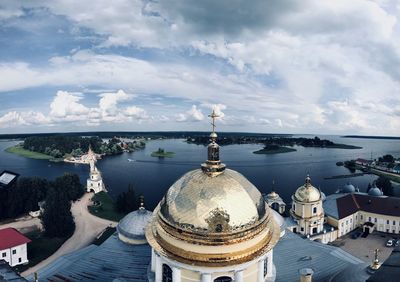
(213, 116)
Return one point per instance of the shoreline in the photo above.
(20, 151)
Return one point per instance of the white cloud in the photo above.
(66, 105)
(108, 101)
(218, 108)
(194, 114)
(12, 119)
(136, 112)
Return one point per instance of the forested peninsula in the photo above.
(58, 147)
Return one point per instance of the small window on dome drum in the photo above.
(218, 228)
(166, 273)
(223, 279)
(265, 266)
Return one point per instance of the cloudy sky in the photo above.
(289, 66)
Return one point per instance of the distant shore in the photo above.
(372, 137)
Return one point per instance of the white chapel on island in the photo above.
(95, 182)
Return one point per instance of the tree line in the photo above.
(24, 196)
(59, 146)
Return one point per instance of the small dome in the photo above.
(307, 193)
(133, 225)
(375, 191)
(348, 188)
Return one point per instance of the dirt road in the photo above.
(88, 227)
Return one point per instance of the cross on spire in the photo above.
(376, 254)
(213, 116)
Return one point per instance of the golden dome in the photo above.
(307, 193)
(192, 200)
(213, 220)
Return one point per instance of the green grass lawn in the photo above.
(106, 208)
(19, 150)
(40, 248)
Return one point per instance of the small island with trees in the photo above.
(274, 149)
(161, 153)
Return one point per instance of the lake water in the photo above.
(152, 176)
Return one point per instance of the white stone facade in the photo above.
(94, 182)
(258, 270)
(16, 255)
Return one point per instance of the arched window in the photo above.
(223, 279)
(166, 273)
(265, 266)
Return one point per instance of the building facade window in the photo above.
(223, 279)
(3, 255)
(387, 221)
(369, 218)
(166, 273)
(265, 266)
(14, 252)
(314, 209)
(394, 222)
(375, 219)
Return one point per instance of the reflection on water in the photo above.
(152, 176)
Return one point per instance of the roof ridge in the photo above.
(355, 201)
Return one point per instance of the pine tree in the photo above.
(126, 201)
(57, 218)
(71, 185)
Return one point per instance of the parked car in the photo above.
(397, 243)
(356, 234)
(390, 243)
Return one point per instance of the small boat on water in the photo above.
(130, 160)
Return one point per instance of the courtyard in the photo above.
(363, 248)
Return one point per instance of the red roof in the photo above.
(10, 237)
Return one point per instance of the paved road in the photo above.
(88, 227)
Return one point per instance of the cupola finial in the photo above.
(213, 165)
(141, 202)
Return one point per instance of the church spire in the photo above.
(141, 203)
(213, 165)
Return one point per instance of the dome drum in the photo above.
(214, 238)
(214, 253)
